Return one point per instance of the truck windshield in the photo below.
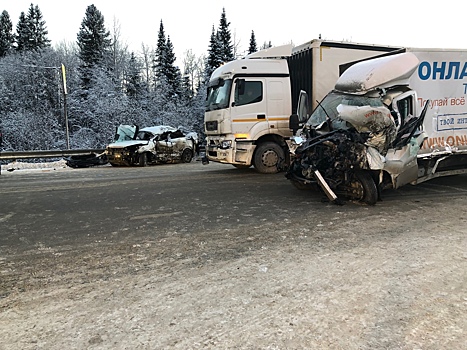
(218, 95)
(328, 108)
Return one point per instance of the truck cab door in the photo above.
(249, 104)
(408, 122)
(401, 159)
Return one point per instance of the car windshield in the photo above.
(125, 133)
(218, 94)
(328, 108)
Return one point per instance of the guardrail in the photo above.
(47, 154)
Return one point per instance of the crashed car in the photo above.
(151, 145)
(363, 137)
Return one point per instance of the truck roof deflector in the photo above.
(273, 52)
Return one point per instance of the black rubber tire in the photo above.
(267, 156)
(143, 159)
(370, 190)
(187, 156)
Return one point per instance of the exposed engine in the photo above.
(337, 155)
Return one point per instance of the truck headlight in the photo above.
(225, 144)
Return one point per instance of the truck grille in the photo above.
(211, 126)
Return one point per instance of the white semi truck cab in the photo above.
(247, 111)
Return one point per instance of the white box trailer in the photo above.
(249, 101)
(441, 79)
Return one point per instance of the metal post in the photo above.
(66, 122)
(65, 114)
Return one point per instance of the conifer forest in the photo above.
(54, 96)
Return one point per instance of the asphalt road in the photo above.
(71, 206)
(187, 256)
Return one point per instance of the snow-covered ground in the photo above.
(27, 166)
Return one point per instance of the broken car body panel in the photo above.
(366, 130)
(86, 160)
(151, 145)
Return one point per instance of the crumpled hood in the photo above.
(124, 144)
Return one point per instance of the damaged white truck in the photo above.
(388, 122)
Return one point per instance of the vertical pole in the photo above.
(65, 114)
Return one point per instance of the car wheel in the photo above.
(187, 156)
(267, 157)
(364, 188)
(143, 159)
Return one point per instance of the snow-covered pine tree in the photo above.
(252, 48)
(266, 45)
(166, 72)
(214, 58)
(31, 31)
(172, 72)
(225, 39)
(38, 29)
(133, 83)
(22, 33)
(93, 42)
(7, 38)
(159, 55)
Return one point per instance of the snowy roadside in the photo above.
(26, 166)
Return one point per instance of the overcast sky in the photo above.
(189, 23)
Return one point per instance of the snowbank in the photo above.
(25, 166)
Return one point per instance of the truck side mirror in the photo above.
(294, 123)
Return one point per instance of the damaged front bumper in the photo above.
(228, 151)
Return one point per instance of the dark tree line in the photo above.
(106, 84)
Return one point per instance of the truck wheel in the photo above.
(267, 156)
(143, 159)
(365, 188)
(187, 156)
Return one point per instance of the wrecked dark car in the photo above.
(86, 160)
(151, 145)
(363, 137)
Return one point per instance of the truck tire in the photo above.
(187, 156)
(143, 159)
(267, 157)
